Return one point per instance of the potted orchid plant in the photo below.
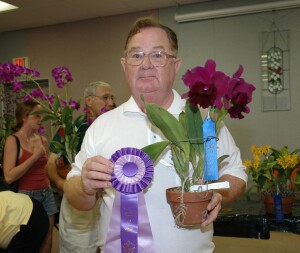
(275, 172)
(208, 89)
(54, 108)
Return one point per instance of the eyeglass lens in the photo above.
(157, 59)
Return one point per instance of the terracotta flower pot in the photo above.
(63, 171)
(287, 204)
(61, 168)
(194, 209)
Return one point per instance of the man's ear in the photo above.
(123, 63)
(88, 100)
(178, 62)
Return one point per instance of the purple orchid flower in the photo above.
(205, 85)
(104, 110)
(62, 76)
(37, 93)
(17, 86)
(27, 98)
(41, 130)
(211, 88)
(73, 104)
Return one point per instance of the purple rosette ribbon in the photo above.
(133, 172)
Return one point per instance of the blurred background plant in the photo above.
(54, 108)
(7, 101)
(275, 171)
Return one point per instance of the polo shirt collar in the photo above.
(176, 107)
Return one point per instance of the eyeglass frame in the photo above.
(105, 98)
(168, 56)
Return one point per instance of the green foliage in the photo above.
(275, 170)
(184, 138)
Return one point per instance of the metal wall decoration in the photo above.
(275, 70)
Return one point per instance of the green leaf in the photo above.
(154, 150)
(56, 103)
(41, 112)
(168, 124)
(47, 117)
(222, 158)
(297, 178)
(194, 124)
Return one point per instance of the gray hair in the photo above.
(92, 87)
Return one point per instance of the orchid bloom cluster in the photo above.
(223, 94)
(59, 111)
(275, 171)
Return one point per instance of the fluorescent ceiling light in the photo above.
(236, 11)
(6, 7)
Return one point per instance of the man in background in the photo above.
(78, 231)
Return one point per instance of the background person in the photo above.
(33, 157)
(24, 223)
(128, 126)
(78, 231)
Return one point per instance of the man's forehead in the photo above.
(153, 38)
(103, 90)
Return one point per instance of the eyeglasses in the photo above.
(157, 58)
(104, 97)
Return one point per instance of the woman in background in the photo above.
(30, 171)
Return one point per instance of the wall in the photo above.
(236, 40)
(92, 50)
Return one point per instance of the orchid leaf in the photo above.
(168, 124)
(154, 150)
(297, 178)
(194, 124)
(222, 158)
(41, 112)
(48, 117)
(56, 103)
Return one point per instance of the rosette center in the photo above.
(130, 169)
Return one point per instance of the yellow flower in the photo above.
(266, 149)
(256, 162)
(271, 169)
(282, 162)
(288, 161)
(247, 163)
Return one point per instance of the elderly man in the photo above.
(78, 230)
(127, 126)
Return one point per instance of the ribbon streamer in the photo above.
(132, 174)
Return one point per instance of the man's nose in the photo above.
(110, 101)
(146, 63)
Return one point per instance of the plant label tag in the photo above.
(212, 186)
(210, 150)
(278, 208)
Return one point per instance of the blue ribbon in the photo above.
(278, 208)
(210, 150)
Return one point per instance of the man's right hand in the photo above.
(96, 174)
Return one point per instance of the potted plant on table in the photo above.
(209, 89)
(276, 172)
(54, 108)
